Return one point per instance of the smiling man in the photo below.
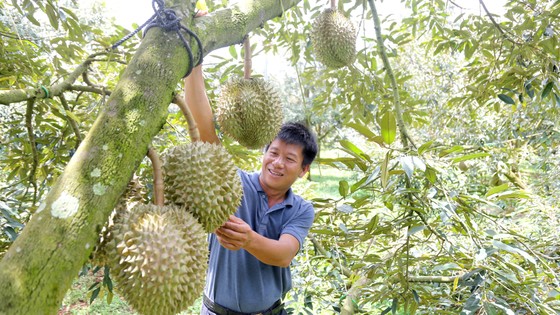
(250, 255)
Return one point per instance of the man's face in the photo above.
(282, 165)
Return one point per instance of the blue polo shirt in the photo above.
(236, 279)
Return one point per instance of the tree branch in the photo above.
(179, 100)
(158, 177)
(33, 145)
(345, 271)
(353, 294)
(83, 88)
(42, 262)
(15, 96)
(247, 62)
(396, 98)
(71, 121)
(504, 34)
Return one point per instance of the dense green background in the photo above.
(460, 217)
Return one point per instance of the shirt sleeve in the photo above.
(299, 225)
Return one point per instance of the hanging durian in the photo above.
(249, 109)
(333, 38)
(135, 193)
(202, 178)
(158, 257)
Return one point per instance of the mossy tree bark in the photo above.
(40, 265)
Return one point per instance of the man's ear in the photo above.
(304, 170)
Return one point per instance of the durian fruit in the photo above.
(201, 177)
(134, 194)
(249, 111)
(158, 257)
(333, 38)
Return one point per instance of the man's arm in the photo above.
(199, 105)
(236, 234)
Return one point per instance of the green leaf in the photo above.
(394, 306)
(233, 51)
(497, 189)
(407, 165)
(506, 99)
(547, 89)
(511, 249)
(53, 18)
(354, 150)
(472, 305)
(470, 156)
(388, 126)
(513, 194)
(364, 130)
(425, 147)
(447, 266)
(32, 19)
(94, 295)
(343, 188)
(431, 174)
(453, 149)
(492, 306)
(385, 171)
(345, 208)
(415, 229)
(416, 297)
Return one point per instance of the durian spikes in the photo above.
(333, 37)
(158, 259)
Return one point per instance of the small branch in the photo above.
(455, 4)
(179, 100)
(33, 144)
(158, 177)
(345, 271)
(333, 4)
(85, 78)
(71, 121)
(353, 295)
(14, 96)
(436, 279)
(506, 36)
(248, 63)
(83, 88)
(396, 98)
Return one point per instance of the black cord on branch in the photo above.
(168, 20)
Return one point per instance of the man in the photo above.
(250, 254)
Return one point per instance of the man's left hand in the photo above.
(235, 234)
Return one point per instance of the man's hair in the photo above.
(298, 134)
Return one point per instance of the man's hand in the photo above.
(235, 234)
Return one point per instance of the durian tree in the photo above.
(40, 265)
(448, 117)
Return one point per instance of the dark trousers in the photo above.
(205, 311)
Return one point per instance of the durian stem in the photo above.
(193, 128)
(248, 62)
(333, 4)
(158, 177)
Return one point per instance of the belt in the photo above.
(275, 309)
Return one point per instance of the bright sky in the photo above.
(127, 12)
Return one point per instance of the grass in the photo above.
(77, 300)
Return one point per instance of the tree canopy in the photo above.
(447, 122)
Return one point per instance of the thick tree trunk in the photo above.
(40, 265)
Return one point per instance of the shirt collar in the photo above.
(289, 201)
